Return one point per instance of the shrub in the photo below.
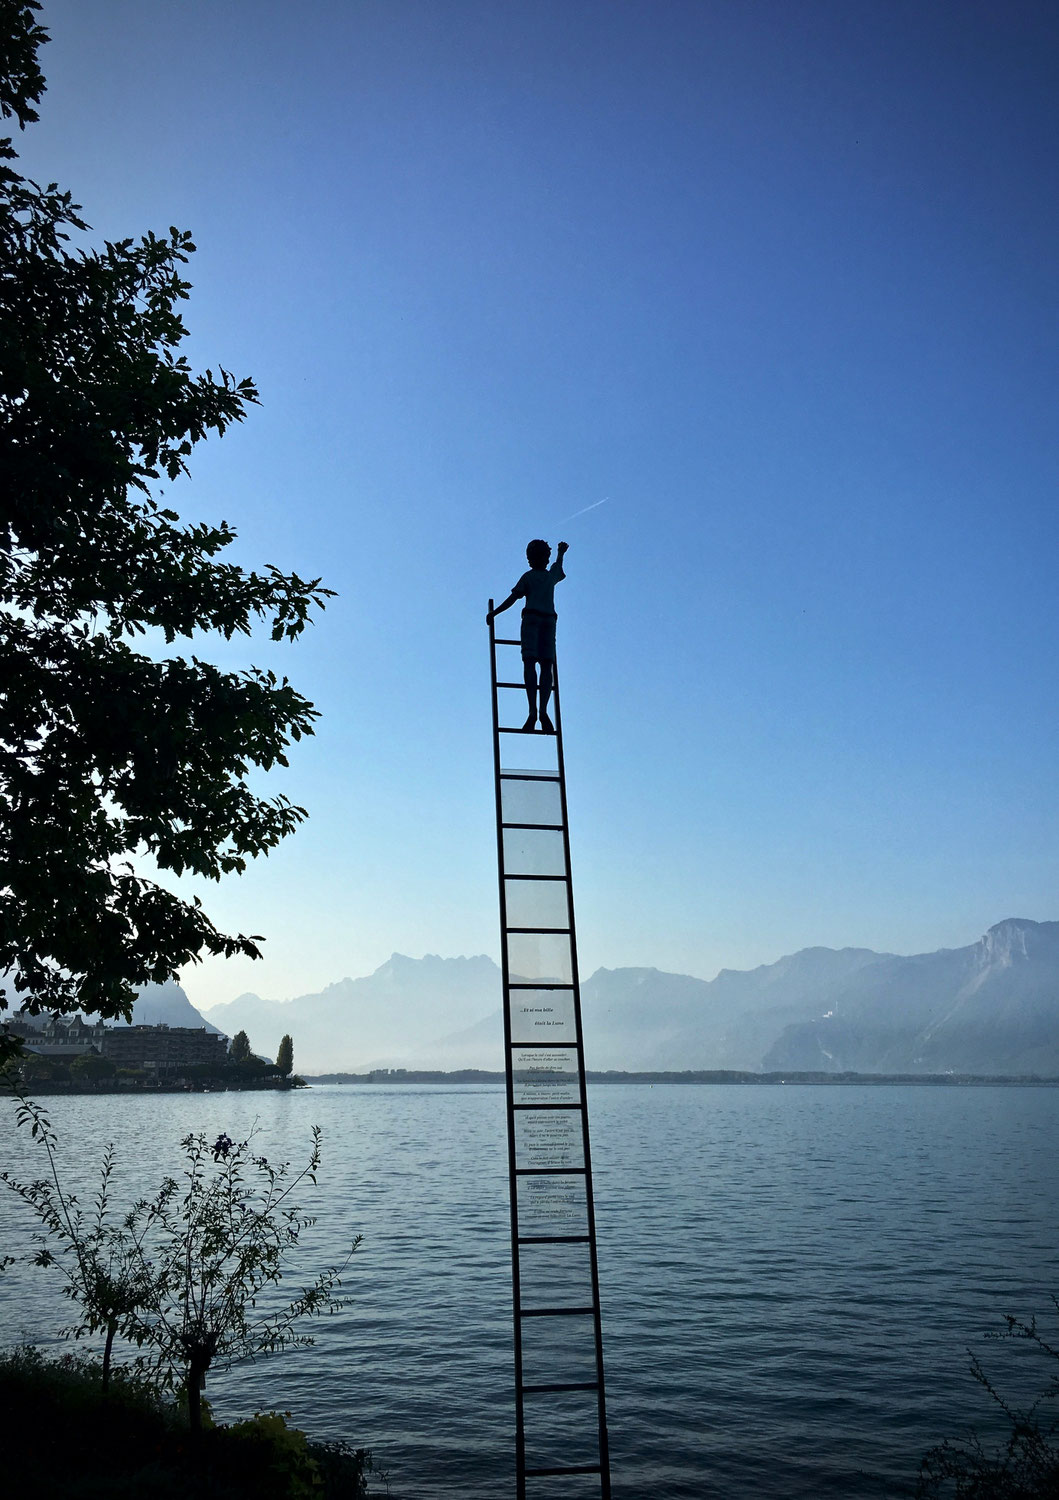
(131, 1441)
(1026, 1465)
(181, 1274)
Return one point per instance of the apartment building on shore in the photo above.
(160, 1049)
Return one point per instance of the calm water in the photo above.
(790, 1276)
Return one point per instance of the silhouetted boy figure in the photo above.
(537, 588)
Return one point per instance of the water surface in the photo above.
(790, 1275)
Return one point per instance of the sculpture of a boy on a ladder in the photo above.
(537, 588)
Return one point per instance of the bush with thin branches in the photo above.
(1026, 1465)
(180, 1275)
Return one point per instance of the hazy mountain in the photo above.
(166, 1005)
(397, 1017)
(992, 1007)
(674, 1021)
(155, 1005)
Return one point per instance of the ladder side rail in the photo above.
(604, 1445)
(516, 1289)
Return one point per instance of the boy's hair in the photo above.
(538, 553)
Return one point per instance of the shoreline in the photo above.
(699, 1076)
(184, 1086)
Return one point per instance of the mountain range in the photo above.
(156, 1005)
(991, 1007)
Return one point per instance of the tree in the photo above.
(285, 1057)
(209, 1248)
(180, 1275)
(32, 1068)
(108, 754)
(93, 1067)
(239, 1051)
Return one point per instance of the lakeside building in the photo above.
(163, 1047)
(156, 1048)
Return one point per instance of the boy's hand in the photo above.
(563, 547)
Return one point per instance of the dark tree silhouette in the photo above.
(108, 754)
(239, 1051)
(285, 1056)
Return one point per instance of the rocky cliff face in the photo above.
(992, 1007)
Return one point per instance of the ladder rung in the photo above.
(544, 984)
(521, 685)
(553, 1239)
(531, 930)
(544, 733)
(548, 827)
(503, 641)
(569, 1385)
(537, 1042)
(545, 1106)
(573, 1469)
(553, 1312)
(550, 1171)
(530, 776)
(535, 877)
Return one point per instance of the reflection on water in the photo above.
(790, 1276)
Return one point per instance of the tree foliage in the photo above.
(107, 753)
(90, 1066)
(239, 1051)
(211, 1247)
(285, 1056)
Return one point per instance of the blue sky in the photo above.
(776, 280)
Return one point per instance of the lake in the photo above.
(790, 1276)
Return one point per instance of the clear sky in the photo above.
(776, 280)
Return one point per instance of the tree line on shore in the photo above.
(241, 1068)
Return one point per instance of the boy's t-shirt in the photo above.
(537, 587)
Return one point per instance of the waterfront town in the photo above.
(67, 1054)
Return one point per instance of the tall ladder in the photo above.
(561, 1445)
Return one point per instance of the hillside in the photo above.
(991, 1007)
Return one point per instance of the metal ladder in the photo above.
(561, 1444)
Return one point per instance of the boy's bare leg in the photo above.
(546, 692)
(529, 677)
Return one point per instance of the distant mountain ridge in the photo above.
(166, 1005)
(155, 1005)
(404, 1010)
(955, 1010)
(991, 1007)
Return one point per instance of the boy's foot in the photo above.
(531, 722)
(547, 727)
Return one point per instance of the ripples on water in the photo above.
(790, 1275)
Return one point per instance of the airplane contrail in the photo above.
(587, 508)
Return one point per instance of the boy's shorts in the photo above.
(538, 636)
